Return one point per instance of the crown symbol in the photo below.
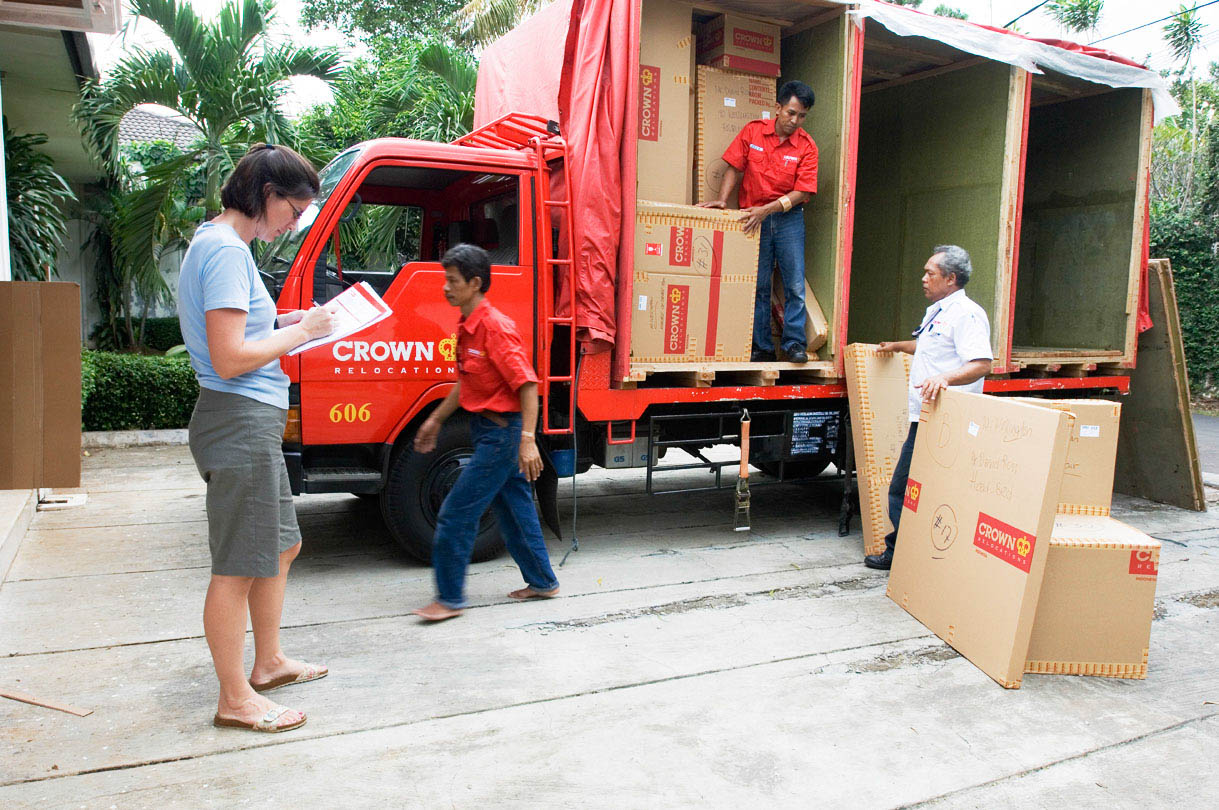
(1022, 546)
(448, 348)
(646, 77)
(675, 296)
(914, 492)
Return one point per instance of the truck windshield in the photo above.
(277, 259)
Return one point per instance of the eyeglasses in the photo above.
(296, 212)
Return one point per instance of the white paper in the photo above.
(729, 102)
(643, 303)
(1089, 431)
(766, 116)
(974, 428)
(356, 308)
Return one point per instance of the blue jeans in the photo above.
(492, 478)
(782, 238)
(897, 487)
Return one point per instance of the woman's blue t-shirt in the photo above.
(218, 272)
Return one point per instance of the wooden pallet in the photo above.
(1065, 362)
(728, 373)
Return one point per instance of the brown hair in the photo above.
(268, 168)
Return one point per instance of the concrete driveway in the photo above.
(686, 665)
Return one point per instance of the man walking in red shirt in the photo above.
(776, 162)
(498, 387)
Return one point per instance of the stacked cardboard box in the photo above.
(1047, 585)
(739, 43)
(666, 103)
(693, 268)
(727, 101)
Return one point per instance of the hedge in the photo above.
(1189, 243)
(136, 392)
(160, 334)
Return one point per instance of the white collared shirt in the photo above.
(954, 331)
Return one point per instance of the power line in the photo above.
(1025, 14)
(1153, 22)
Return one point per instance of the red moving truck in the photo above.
(556, 217)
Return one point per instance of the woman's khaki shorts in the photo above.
(237, 445)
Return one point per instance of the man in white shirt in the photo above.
(951, 349)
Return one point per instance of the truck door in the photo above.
(396, 223)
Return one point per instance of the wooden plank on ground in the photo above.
(46, 704)
(1157, 455)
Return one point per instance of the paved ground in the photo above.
(1206, 431)
(685, 666)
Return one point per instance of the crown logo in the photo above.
(1022, 547)
(448, 348)
(675, 295)
(914, 492)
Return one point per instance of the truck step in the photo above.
(361, 480)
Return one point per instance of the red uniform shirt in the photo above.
(773, 167)
(491, 361)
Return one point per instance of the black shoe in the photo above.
(881, 562)
(762, 357)
(797, 356)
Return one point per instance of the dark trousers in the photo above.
(897, 487)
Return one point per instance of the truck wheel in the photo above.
(416, 487)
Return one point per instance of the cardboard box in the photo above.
(816, 327)
(694, 268)
(727, 101)
(1097, 598)
(739, 43)
(39, 384)
(975, 528)
(1087, 485)
(877, 387)
(666, 103)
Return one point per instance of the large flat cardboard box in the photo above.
(739, 43)
(666, 103)
(1087, 483)
(694, 270)
(727, 101)
(39, 384)
(877, 386)
(976, 524)
(1097, 599)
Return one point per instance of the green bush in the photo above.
(136, 392)
(162, 334)
(1189, 243)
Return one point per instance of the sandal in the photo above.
(311, 672)
(266, 724)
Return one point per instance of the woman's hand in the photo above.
(317, 322)
(289, 318)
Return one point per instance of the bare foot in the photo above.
(254, 708)
(437, 612)
(530, 593)
(281, 671)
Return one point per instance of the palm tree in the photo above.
(1184, 35)
(226, 77)
(483, 21)
(1078, 16)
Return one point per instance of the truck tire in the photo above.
(416, 487)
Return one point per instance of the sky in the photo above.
(1118, 16)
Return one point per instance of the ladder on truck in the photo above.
(520, 131)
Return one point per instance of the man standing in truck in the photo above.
(497, 386)
(951, 349)
(776, 164)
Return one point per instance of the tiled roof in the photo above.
(141, 126)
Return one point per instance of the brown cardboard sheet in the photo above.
(666, 103)
(975, 528)
(1097, 599)
(877, 386)
(693, 285)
